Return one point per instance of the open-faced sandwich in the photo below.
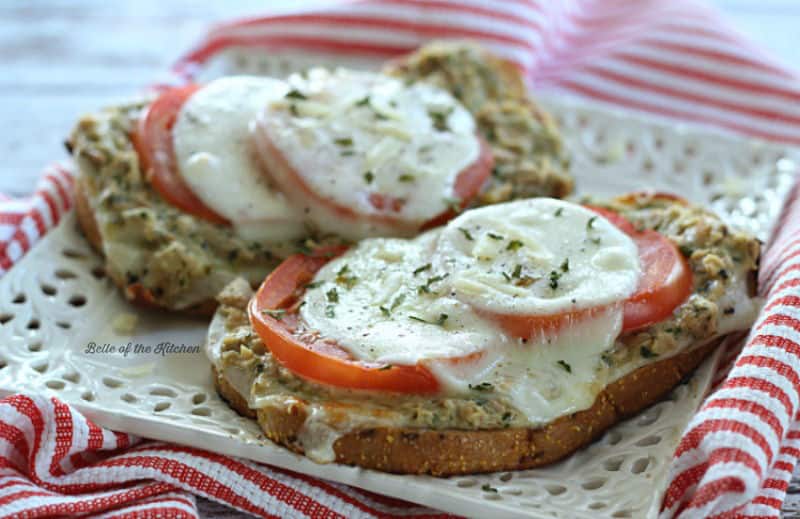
(207, 183)
(507, 339)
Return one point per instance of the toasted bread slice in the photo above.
(463, 434)
(449, 452)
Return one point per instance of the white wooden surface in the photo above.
(61, 58)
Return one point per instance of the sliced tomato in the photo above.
(273, 315)
(665, 283)
(468, 184)
(152, 139)
(527, 326)
(652, 195)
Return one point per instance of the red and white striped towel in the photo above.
(672, 58)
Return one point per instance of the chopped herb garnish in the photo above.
(275, 314)
(676, 330)
(554, 277)
(488, 488)
(426, 288)
(559, 212)
(565, 265)
(596, 241)
(440, 119)
(332, 295)
(514, 245)
(483, 386)
(590, 223)
(293, 110)
(364, 101)
(453, 203)
(494, 236)
(507, 416)
(406, 177)
(295, 94)
(343, 277)
(506, 276)
(466, 233)
(565, 365)
(347, 153)
(439, 322)
(728, 311)
(344, 141)
(369, 177)
(517, 271)
(385, 311)
(397, 301)
(329, 312)
(647, 353)
(423, 268)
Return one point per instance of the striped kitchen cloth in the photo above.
(672, 58)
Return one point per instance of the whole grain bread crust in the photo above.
(452, 452)
(234, 399)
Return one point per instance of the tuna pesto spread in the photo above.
(530, 159)
(723, 263)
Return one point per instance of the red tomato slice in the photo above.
(665, 283)
(527, 326)
(152, 139)
(467, 185)
(319, 359)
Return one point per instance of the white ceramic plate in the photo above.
(56, 302)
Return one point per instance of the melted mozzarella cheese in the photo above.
(214, 154)
(537, 257)
(547, 376)
(388, 301)
(384, 316)
(350, 136)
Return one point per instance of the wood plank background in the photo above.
(61, 58)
